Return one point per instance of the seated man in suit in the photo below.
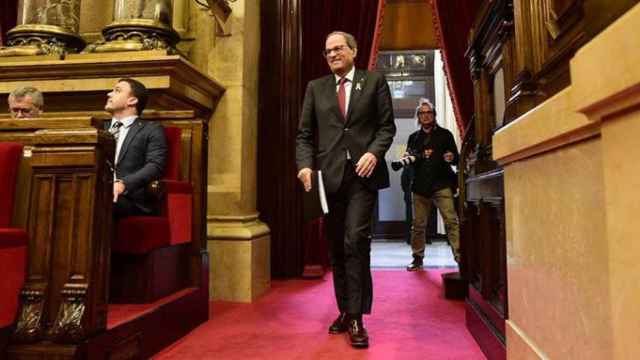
(25, 102)
(141, 149)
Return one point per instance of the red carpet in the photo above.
(410, 320)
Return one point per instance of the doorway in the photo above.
(412, 75)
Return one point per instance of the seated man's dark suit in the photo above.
(141, 160)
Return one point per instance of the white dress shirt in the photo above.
(122, 134)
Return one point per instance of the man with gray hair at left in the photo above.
(25, 102)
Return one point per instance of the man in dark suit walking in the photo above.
(141, 149)
(351, 116)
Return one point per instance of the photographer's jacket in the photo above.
(432, 173)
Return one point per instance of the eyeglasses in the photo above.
(338, 50)
(23, 111)
(425, 112)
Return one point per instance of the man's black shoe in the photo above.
(339, 325)
(358, 334)
(416, 264)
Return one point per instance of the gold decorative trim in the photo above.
(146, 23)
(39, 39)
(29, 325)
(114, 46)
(68, 325)
(136, 35)
(40, 28)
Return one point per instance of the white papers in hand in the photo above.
(323, 194)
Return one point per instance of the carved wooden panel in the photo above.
(66, 209)
(547, 34)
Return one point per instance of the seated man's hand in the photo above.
(118, 188)
(304, 175)
(366, 164)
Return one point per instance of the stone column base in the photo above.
(240, 253)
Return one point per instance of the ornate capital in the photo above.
(220, 10)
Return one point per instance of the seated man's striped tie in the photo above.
(115, 129)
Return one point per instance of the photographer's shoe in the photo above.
(339, 325)
(416, 264)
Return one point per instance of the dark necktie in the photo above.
(342, 97)
(115, 129)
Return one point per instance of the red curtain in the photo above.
(452, 21)
(377, 35)
(319, 18)
(8, 17)
(362, 19)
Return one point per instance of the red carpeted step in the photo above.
(410, 320)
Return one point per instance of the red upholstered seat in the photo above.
(141, 234)
(148, 259)
(13, 242)
(10, 154)
(13, 260)
(172, 168)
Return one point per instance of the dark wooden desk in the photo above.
(63, 202)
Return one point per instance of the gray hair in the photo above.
(424, 101)
(351, 40)
(36, 95)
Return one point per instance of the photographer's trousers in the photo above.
(348, 233)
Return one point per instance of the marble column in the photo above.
(238, 242)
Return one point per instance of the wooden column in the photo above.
(280, 94)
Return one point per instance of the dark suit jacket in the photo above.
(369, 127)
(434, 173)
(141, 160)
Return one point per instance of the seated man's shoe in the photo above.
(358, 334)
(339, 325)
(416, 264)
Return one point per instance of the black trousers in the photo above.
(127, 207)
(348, 230)
(408, 212)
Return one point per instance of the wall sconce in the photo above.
(220, 10)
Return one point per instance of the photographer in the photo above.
(431, 151)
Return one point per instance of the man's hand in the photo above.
(304, 176)
(448, 156)
(118, 188)
(366, 164)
